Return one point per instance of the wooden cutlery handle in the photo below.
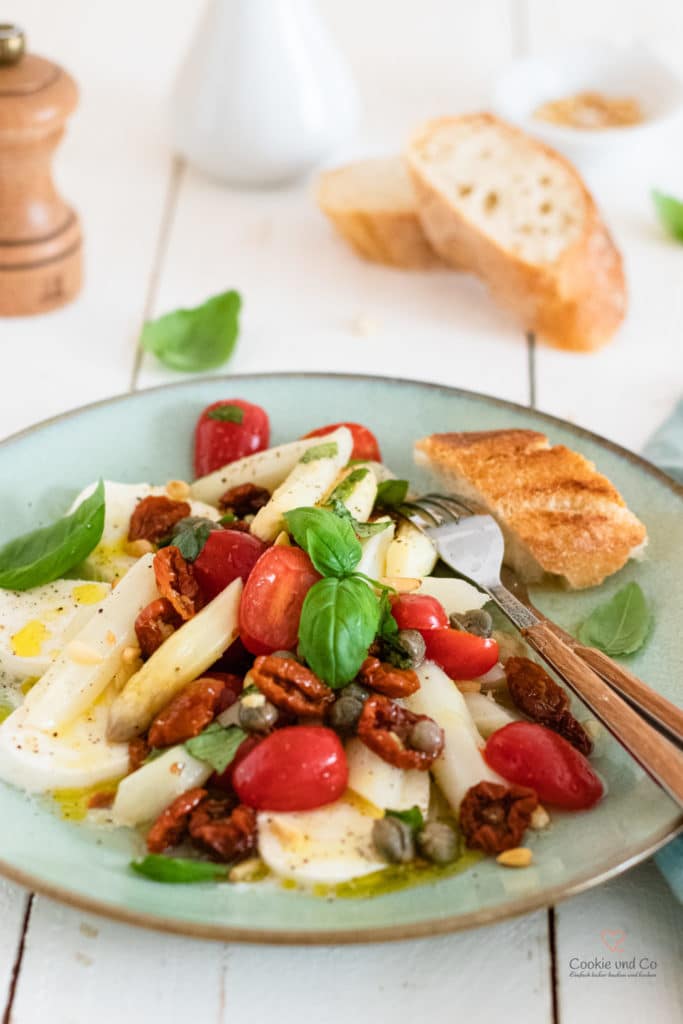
(658, 707)
(654, 752)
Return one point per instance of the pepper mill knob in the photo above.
(40, 236)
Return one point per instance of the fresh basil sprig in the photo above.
(178, 870)
(46, 554)
(190, 535)
(670, 212)
(339, 619)
(413, 817)
(344, 489)
(216, 745)
(391, 493)
(192, 340)
(621, 625)
(330, 541)
(360, 529)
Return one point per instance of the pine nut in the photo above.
(82, 654)
(518, 857)
(539, 818)
(130, 655)
(468, 685)
(178, 490)
(138, 548)
(402, 584)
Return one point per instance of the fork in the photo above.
(472, 545)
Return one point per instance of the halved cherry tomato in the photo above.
(294, 769)
(226, 555)
(461, 655)
(418, 611)
(270, 608)
(365, 444)
(219, 441)
(531, 755)
(224, 780)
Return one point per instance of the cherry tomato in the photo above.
(219, 441)
(270, 608)
(294, 769)
(461, 655)
(418, 611)
(226, 555)
(531, 755)
(224, 780)
(365, 444)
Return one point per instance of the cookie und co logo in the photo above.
(613, 939)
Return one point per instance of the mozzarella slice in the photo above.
(144, 794)
(384, 785)
(265, 469)
(35, 624)
(374, 557)
(455, 595)
(329, 845)
(486, 714)
(72, 757)
(411, 554)
(461, 764)
(87, 664)
(110, 560)
(305, 485)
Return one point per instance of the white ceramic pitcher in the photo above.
(264, 93)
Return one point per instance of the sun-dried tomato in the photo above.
(388, 680)
(138, 752)
(292, 687)
(540, 698)
(154, 517)
(387, 729)
(176, 581)
(494, 817)
(244, 500)
(154, 624)
(171, 825)
(188, 713)
(227, 835)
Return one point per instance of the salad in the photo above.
(264, 675)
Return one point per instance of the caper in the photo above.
(426, 736)
(393, 840)
(413, 644)
(357, 691)
(257, 717)
(438, 842)
(285, 654)
(345, 712)
(476, 621)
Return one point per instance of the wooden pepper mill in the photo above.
(40, 236)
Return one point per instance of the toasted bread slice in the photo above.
(517, 214)
(559, 515)
(372, 205)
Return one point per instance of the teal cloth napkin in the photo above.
(665, 448)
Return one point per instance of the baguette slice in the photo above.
(372, 205)
(558, 514)
(517, 214)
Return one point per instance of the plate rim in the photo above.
(423, 929)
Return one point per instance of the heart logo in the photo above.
(614, 939)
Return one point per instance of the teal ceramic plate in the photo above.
(147, 436)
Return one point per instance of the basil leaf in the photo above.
(360, 529)
(338, 623)
(226, 413)
(216, 745)
(413, 817)
(178, 870)
(191, 534)
(391, 493)
(670, 212)
(46, 554)
(330, 542)
(320, 451)
(344, 489)
(196, 339)
(619, 626)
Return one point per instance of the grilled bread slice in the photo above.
(372, 205)
(558, 514)
(511, 210)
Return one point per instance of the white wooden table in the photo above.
(160, 236)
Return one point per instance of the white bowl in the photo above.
(635, 73)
